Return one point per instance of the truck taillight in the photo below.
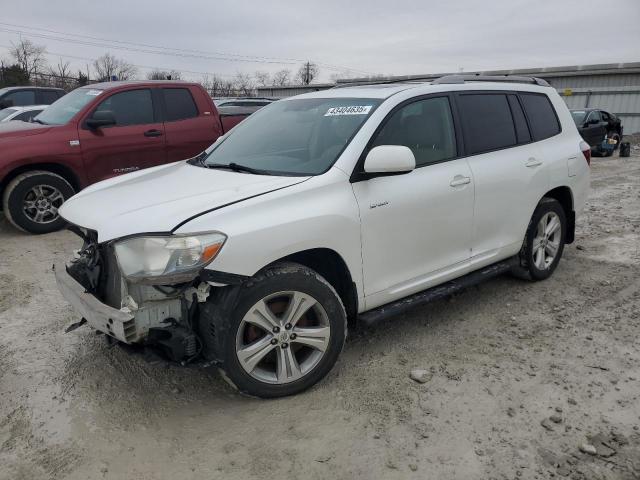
(586, 151)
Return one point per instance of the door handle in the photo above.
(459, 180)
(153, 133)
(533, 162)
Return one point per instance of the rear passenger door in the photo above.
(188, 131)
(416, 227)
(507, 168)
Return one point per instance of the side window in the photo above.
(519, 120)
(47, 97)
(179, 104)
(22, 98)
(542, 117)
(594, 116)
(425, 126)
(486, 122)
(134, 107)
(27, 116)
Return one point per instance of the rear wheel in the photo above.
(31, 201)
(544, 241)
(284, 334)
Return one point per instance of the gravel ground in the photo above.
(519, 377)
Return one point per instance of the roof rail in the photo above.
(490, 78)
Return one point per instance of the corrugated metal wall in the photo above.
(590, 81)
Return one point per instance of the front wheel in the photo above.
(544, 241)
(32, 199)
(283, 335)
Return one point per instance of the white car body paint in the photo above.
(396, 234)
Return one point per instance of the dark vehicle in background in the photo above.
(25, 96)
(97, 132)
(597, 127)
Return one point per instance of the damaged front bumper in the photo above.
(119, 324)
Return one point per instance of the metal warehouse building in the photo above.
(611, 87)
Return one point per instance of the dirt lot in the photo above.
(521, 376)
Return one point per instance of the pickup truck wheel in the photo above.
(31, 201)
(544, 241)
(284, 334)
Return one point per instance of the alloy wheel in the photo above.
(546, 243)
(283, 337)
(41, 204)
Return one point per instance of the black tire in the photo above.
(527, 263)
(19, 191)
(221, 319)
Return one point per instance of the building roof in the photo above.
(544, 72)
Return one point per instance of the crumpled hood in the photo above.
(158, 199)
(21, 129)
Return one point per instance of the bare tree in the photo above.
(29, 56)
(157, 74)
(60, 75)
(307, 73)
(262, 78)
(244, 84)
(214, 85)
(281, 78)
(108, 66)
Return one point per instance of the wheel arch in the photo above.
(564, 196)
(334, 269)
(57, 168)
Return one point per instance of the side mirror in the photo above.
(103, 118)
(390, 159)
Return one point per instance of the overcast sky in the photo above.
(350, 38)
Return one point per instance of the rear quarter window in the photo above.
(541, 114)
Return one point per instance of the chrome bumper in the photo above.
(116, 323)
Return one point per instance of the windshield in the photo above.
(7, 112)
(578, 116)
(294, 137)
(63, 110)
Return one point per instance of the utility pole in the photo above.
(307, 75)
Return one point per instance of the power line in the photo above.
(160, 50)
(145, 67)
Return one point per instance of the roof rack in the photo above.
(490, 78)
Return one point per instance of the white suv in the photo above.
(352, 202)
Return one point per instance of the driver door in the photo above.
(416, 227)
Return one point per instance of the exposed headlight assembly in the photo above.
(167, 259)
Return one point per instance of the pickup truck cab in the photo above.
(348, 203)
(97, 132)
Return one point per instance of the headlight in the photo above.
(167, 259)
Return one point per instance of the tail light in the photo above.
(586, 151)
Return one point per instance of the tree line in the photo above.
(27, 65)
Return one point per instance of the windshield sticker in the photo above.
(351, 110)
(94, 93)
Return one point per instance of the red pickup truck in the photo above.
(97, 132)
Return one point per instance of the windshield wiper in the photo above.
(238, 168)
